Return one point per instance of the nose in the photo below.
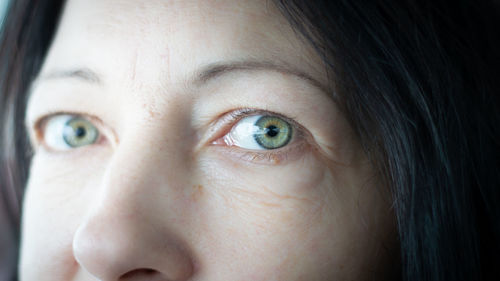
(111, 249)
(125, 235)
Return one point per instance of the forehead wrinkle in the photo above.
(137, 16)
(165, 50)
(133, 72)
(160, 11)
(146, 12)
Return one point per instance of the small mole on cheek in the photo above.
(151, 112)
(197, 192)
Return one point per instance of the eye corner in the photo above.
(34, 129)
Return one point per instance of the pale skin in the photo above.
(161, 194)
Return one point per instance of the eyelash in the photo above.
(274, 157)
(224, 125)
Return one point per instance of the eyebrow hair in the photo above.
(215, 70)
(84, 74)
(202, 76)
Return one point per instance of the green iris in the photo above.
(79, 132)
(273, 132)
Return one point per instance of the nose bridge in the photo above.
(146, 163)
(122, 231)
(143, 150)
(154, 145)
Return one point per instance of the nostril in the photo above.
(139, 273)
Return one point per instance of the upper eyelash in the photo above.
(241, 113)
(233, 116)
(38, 124)
(225, 123)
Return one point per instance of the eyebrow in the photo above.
(216, 70)
(83, 74)
(202, 76)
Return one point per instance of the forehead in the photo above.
(153, 38)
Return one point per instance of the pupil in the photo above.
(272, 131)
(80, 132)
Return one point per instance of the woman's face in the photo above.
(194, 140)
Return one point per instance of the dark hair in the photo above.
(419, 82)
(416, 78)
(25, 38)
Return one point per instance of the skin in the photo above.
(159, 196)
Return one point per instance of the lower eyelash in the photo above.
(271, 157)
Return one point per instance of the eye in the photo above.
(260, 132)
(65, 132)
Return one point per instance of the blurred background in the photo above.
(3, 7)
(7, 244)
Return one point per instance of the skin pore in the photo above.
(168, 188)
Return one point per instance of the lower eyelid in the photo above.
(100, 142)
(267, 157)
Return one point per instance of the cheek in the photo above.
(261, 195)
(306, 218)
(54, 205)
(273, 222)
(301, 220)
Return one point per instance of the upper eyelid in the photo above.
(290, 120)
(236, 115)
(39, 124)
(223, 123)
(239, 114)
(40, 121)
